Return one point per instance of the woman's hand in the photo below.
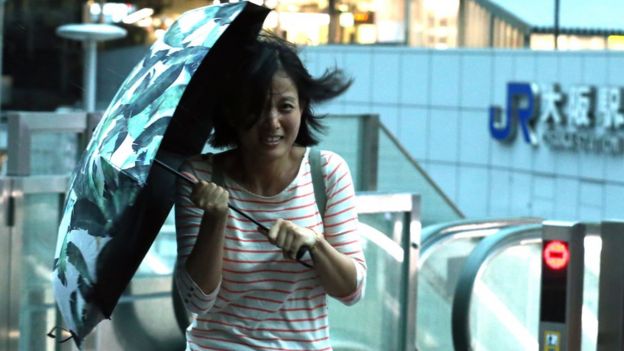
(290, 237)
(211, 198)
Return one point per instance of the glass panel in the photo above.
(54, 153)
(437, 279)
(398, 173)
(373, 323)
(502, 316)
(37, 312)
(343, 138)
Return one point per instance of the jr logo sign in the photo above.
(585, 119)
(521, 109)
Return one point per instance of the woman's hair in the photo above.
(247, 86)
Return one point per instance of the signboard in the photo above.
(552, 340)
(583, 119)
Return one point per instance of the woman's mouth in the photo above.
(272, 139)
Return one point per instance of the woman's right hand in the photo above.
(211, 198)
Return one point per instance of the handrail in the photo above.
(460, 315)
(438, 234)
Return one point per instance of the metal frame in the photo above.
(21, 125)
(611, 288)
(367, 158)
(571, 330)
(20, 188)
(13, 191)
(409, 231)
(7, 327)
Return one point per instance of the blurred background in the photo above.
(42, 72)
(476, 130)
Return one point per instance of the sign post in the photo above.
(561, 295)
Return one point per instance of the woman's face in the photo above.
(274, 134)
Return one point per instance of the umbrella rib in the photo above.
(302, 250)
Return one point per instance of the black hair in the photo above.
(247, 86)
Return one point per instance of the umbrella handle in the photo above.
(301, 251)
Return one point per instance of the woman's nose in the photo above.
(272, 117)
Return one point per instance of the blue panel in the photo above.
(415, 79)
(385, 78)
(566, 198)
(614, 168)
(592, 165)
(324, 60)
(472, 191)
(521, 194)
(547, 67)
(614, 206)
(570, 71)
(389, 116)
(522, 155)
(566, 163)
(595, 68)
(501, 153)
(310, 59)
(543, 208)
(543, 196)
(331, 107)
(358, 64)
(355, 108)
(543, 187)
(524, 68)
(413, 132)
(591, 194)
(503, 74)
(443, 135)
(543, 158)
(590, 213)
(445, 79)
(616, 69)
(474, 138)
(445, 176)
(476, 80)
(499, 194)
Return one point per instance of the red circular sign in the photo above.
(556, 255)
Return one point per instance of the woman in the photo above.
(243, 284)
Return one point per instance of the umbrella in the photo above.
(117, 202)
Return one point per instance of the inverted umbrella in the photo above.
(117, 202)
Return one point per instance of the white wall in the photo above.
(436, 103)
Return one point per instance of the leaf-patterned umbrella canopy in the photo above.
(117, 201)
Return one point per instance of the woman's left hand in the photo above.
(290, 237)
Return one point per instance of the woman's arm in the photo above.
(336, 271)
(200, 222)
(338, 256)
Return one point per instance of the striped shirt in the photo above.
(264, 301)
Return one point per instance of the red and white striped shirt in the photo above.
(264, 301)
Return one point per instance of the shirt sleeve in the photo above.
(187, 222)
(341, 219)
